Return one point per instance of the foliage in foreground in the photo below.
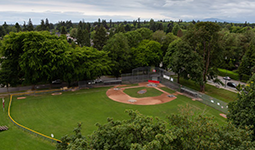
(144, 132)
(241, 112)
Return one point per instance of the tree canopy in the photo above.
(241, 111)
(148, 133)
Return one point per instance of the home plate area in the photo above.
(117, 94)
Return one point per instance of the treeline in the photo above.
(194, 50)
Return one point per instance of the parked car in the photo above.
(91, 82)
(231, 84)
(58, 81)
(227, 78)
(98, 80)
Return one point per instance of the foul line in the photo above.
(16, 123)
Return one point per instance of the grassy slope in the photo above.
(17, 139)
(151, 92)
(221, 94)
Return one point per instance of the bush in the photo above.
(232, 74)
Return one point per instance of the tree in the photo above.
(118, 50)
(145, 132)
(24, 27)
(160, 26)
(33, 57)
(169, 38)
(7, 77)
(148, 53)
(146, 33)
(134, 38)
(12, 50)
(100, 38)
(2, 31)
(241, 111)
(30, 26)
(138, 23)
(83, 37)
(47, 24)
(73, 33)
(204, 39)
(248, 61)
(43, 57)
(110, 23)
(176, 28)
(63, 30)
(6, 28)
(17, 26)
(184, 61)
(86, 63)
(153, 25)
(127, 28)
(42, 26)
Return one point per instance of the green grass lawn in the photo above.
(16, 139)
(151, 92)
(60, 114)
(221, 94)
(168, 90)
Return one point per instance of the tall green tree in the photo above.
(100, 38)
(12, 50)
(184, 61)
(153, 26)
(134, 38)
(30, 26)
(47, 24)
(145, 32)
(148, 53)
(43, 57)
(86, 63)
(241, 111)
(119, 53)
(2, 31)
(83, 38)
(63, 30)
(176, 28)
(204, 39)
(248, 61)
(17, 26)
(24, 27)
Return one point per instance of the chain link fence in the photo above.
(143, 74)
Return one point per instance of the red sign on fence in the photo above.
(153, 81)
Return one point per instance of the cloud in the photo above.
(56, 10)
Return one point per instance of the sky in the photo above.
(12, 11)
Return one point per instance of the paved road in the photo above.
(226, 86)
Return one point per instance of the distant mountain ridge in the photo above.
(220, 20)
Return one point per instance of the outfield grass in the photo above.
(16, 139)
(151, 92)
(60, 114)
(168, 90)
